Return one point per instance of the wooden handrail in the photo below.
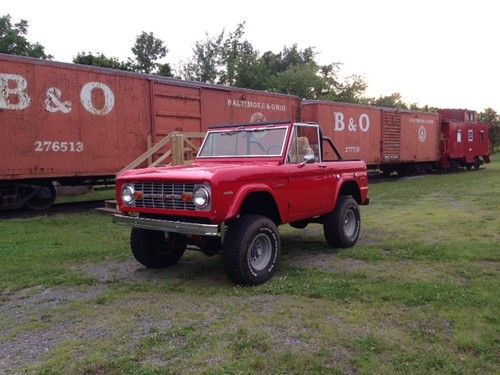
(148, 154)
(180, 145)
(161, 158)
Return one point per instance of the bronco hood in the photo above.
(205, 171)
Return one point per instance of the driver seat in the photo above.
(304, 148)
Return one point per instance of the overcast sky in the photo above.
(441, 53)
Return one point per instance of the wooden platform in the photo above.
(110, 207)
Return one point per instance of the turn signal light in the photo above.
(187, 197)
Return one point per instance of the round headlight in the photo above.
(201, 197)
(128, 194)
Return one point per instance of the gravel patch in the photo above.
(27, 348)
(37, 298)
(113, 271)
(36, 305)
(330, 263)
(399, 270)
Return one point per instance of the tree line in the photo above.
(228, 58)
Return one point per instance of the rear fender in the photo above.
(349, 186)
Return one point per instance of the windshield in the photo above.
(244, 142)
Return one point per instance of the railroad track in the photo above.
(59, 208)
(376, 178)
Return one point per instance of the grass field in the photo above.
(419, 294)
(90, 196)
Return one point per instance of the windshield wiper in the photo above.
(231, 132)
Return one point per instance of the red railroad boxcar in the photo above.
(385, 138)
(409, 141)
(355, 129)
(464, 143)
(69, 123)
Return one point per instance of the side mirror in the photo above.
(308, 158)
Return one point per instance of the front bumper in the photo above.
(181, 227)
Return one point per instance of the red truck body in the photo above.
(245, 181)
(299, 193)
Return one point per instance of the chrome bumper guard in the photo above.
(168, 226)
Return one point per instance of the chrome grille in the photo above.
(163, 196)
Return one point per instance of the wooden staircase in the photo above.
(183, 148)
(176, 148)
(110, 207)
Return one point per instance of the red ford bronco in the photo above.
(245, 181)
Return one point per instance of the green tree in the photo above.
(288, 57)
(147, 51)
(226, 59)
(300, 80)
(395, 100)
(204, 65)
(351, 90)
(99, 59)
(231, 60)
(296, 71)
(492, 118)
(164, 70)
(13, 39)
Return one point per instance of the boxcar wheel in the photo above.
(43, 196)
(155, 249)
(251, 249)
(341, 226)
(477, 163)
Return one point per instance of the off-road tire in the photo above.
(154, 249)
(246, 237)
(338, 233)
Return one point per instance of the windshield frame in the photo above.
(243, 129)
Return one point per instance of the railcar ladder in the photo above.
(391, 137)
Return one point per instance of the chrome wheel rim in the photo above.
(259, 252)
(350, 223)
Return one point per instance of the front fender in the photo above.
(242, 193)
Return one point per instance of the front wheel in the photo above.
(341, 226)
(251, 249)
(155, 249)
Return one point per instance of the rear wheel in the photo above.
(341, 226)
(155, 249)
(251, 249)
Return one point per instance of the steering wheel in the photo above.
(268, 151)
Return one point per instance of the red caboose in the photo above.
(464, 142)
